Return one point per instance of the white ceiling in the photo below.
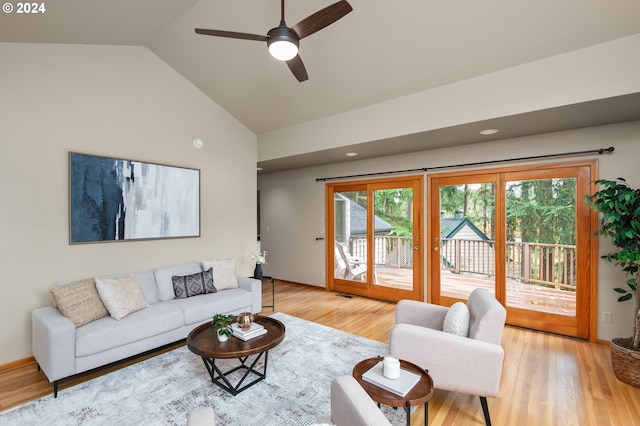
(380, 51)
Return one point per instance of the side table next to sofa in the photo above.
(266, 279)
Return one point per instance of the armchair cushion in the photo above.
(456, 321)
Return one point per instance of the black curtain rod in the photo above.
(479, 163)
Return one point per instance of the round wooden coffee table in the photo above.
(421, 393)
(202, 341)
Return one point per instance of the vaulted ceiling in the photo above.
(380, 51)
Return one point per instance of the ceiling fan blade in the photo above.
(231, 34)
(297, 68)
(321, 19)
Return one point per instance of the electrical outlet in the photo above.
(606, 317)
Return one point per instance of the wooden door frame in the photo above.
(418, 255)
(587, 172)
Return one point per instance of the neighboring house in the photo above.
(351, 221)
(464, 246)
(351, 229)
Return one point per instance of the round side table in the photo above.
(421, 393)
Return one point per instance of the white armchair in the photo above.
(470, 365)
(352, 406)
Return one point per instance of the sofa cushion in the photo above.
(203, 307)
(456, 320)
(194, 284)
(163, 278)
(79, 301)
(121, 296)
(107, 333)
(224, 272)
(147, 282)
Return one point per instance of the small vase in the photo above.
(257, 273)
(222, 337)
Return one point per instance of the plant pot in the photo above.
(222, 337)
(625, 361)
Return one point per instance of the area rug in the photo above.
(164, 389)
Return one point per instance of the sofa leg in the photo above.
(55, 389)
(485, 410)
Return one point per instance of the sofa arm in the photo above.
(53, 343)
(458, 364)
(352, 406)
(420, 313)
(255, 287)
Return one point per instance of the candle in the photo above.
(391, 367)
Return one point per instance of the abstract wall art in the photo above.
(121, 200)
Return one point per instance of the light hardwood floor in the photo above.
(547, 379)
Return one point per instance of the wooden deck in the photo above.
(459, 286)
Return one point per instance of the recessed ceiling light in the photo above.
(487, 132)
(351, 154)
(259, 168)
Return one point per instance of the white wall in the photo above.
(292, 202)
(597, 72)
(113, 101)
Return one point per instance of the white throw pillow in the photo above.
(456, 321)
(121, 296)
(224, 272)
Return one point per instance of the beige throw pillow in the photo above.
(224, 272)
(121, 296)
(79, 301)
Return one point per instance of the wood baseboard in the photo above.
(17, 363)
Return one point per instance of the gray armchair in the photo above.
(470, 365)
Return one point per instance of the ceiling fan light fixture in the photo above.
(282, 44)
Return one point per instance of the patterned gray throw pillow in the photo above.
(194, 284)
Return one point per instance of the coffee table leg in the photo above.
(220, 378)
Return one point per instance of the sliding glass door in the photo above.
(374, 242)
(525, 234)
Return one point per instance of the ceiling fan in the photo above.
(283, 42)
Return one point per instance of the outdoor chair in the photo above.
(353, 268)
(466, 363)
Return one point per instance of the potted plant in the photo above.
(221, 324)
(619, 205)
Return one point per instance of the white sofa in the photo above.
(62, 350)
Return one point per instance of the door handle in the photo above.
(436, 248)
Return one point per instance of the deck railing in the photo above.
(531, 263)
(551, 265)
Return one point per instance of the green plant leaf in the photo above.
(625, 297)
(620, 290)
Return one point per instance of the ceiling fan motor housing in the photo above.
(283, 43)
